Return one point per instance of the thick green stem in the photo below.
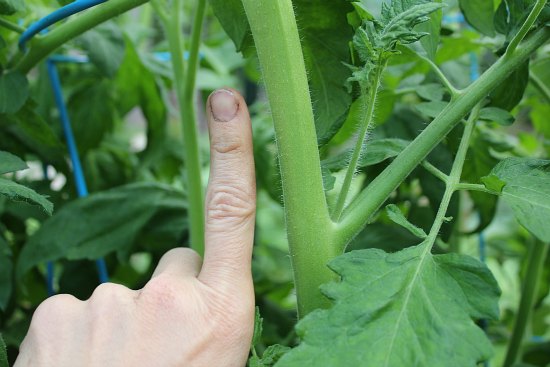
(308, 223)
(537, 9)
(366, 204)
(369, 103)
(11, 26)
(535, 265)
(185, 88)
(40, 48)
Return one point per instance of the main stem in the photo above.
(42, 47)
(366, 204)
(185, 91)
(309, 227)
(365, 124)
(535, 265)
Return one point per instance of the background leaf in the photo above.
(325, 34)
(6, 274)
(527, 191)
(3, 353)
(14, 91)
(81, 230)
(381, 300)
(105, 46)
(9, 7)
(479, 14)
(15, 191)
(11, 163)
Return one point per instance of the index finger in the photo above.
(231, 194)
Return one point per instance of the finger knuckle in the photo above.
(228, 202)
(228, 145)
(53, 312)
(161, 293)
(107, 294)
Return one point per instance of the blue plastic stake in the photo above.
(81, 186)
(54, 17)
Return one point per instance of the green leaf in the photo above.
(92, 113)
(6, 274)
(29, 133)
(9, 7)
(374, 152)
(258, 327)
(94, 226)
(11, 163)
(232, 17)
(431, 92)
(431, 109)
(433, 29)
(479, 14)
(508, 94)
(3, 353)
(527, 191)
(492, 182)
(409, 308)
(271, 356)
(396, 216)
(324, 33)
(15, 191)
(105, 46)
(14, 91)
(498, 115)
(137, 86)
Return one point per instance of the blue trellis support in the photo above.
(54, 17)
(78, 174)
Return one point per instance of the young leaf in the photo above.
(15, 191)
(3, 353)
(527, 191)
(271, 355)
(409, 308)
(479, 14)
(397, 217)
(376, 40)
(14, 91)
(492, 182)
(10, 163)
(258, 327)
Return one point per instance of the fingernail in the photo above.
(223, 105)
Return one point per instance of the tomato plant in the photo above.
(435, 109)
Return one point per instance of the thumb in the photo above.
(231, 194)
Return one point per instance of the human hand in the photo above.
(185, 315)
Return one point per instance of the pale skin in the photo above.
(191, 313)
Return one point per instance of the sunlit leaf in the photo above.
(409, 308)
